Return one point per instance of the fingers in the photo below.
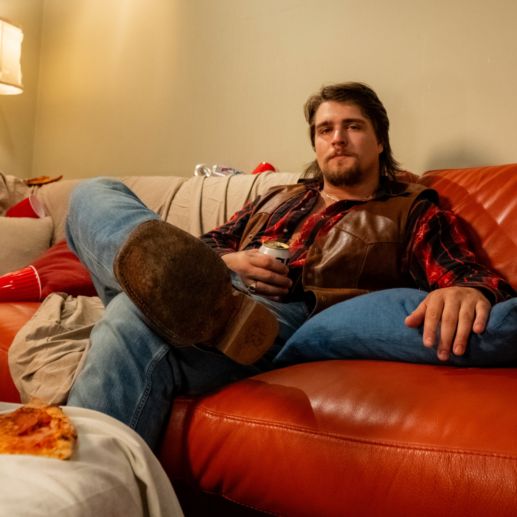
(267, 262)
(266, 290)
(266, 275)
(449, 316)
(416, 318)
(455, 327)
(482, 315)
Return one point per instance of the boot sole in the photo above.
(163, 269)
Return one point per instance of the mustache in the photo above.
(335, 154)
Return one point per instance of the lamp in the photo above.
(11, 38)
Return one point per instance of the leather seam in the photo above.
(359, 441)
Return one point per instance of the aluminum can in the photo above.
(223, 170)
(202, 169)
(277, 249)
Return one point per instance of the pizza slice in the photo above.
(39, 430)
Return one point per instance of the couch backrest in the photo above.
(485, 199)
(196, 204)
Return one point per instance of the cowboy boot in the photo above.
(184, 290)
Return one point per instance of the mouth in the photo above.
(340, 155)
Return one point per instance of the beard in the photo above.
(343, 177)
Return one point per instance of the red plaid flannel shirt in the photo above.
(437, 253)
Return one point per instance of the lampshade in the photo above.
(10, 53)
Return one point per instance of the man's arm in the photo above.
(462, 289)
(226, 238)
(267, 275)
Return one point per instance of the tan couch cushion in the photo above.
(203, 203)
(27, 239)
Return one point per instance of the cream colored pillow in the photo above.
(23, 240)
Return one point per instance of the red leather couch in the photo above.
(336, 438)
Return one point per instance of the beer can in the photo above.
(277, 249)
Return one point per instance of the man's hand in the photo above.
(267, 274)
(457, 311)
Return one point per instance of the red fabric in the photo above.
(59, 270)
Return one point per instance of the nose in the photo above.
(339, 136)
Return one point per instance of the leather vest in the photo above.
(362, 252)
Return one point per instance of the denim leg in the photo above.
(101, 215)
(133, 375)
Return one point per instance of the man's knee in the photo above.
(89, 189)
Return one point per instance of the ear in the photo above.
(380, 147)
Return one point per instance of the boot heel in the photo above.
(250, 333)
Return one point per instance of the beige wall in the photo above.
(17, 112)
(156, 86)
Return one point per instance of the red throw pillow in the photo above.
(57, 270)
(60, 270)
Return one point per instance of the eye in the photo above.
(324, 130)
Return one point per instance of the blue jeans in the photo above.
(130, 372)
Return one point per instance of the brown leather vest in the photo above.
(361, 253)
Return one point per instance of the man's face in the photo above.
(347, 149)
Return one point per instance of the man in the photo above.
(227, 310)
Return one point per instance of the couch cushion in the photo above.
(12, 317)
(28, 238)
(374, 438)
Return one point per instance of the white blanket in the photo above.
(111, 473)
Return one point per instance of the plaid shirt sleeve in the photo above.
(439, 255)
(226, 238)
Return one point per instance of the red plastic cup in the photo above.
(21, 285)
(29, 207)
(263, 167)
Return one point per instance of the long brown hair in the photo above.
(372, 108)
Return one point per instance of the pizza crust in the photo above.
(38, 430)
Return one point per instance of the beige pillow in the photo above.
(22, 240)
